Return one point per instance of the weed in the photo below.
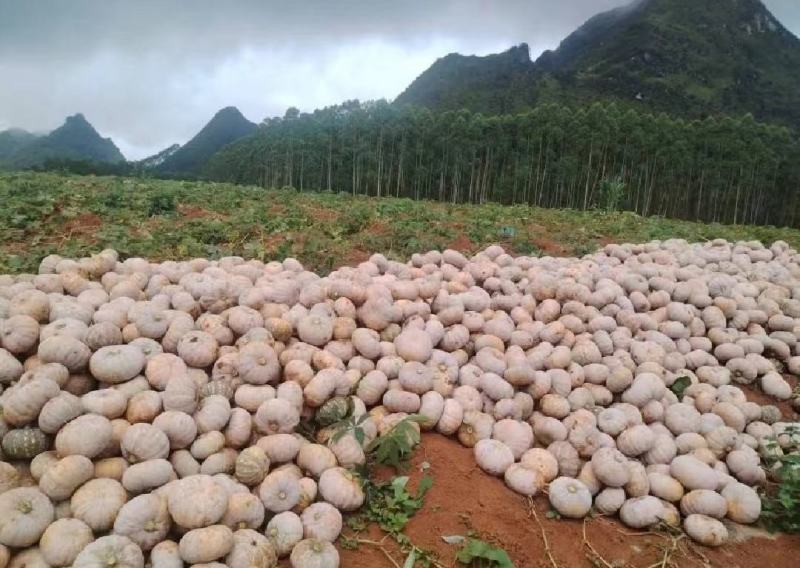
(481, 554)
(780, 506)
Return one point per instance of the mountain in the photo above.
(12, 140)
(498, 83)
(227, 126)
(685, 57)
(157, 159)
(76, 139)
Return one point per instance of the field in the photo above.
(44, 213)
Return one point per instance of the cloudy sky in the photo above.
(149, 73)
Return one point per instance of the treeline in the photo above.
(730, 170)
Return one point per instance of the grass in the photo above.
(47, 213)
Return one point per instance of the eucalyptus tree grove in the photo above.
(725, 169)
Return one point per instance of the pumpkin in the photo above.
(570, 497)
(63, 540)
(334, 410)
(251, 549)
(166, 555)
(66, 350)
(179, 427)
(314, 459)
(321, 521)
(142, 442)
(62, 478)
(245, 510)
(312, 553)
(284, 531)
(341, 488)
(97, 503)
(641, 512)
(23, 402)
(87, 435)
(144, 519)
(705, 530)
(111, 550)
(116, 363)
(252, 465)
(743, 503)
(493, 456)
(25, 513)
(24, 443)
(523, 480)
(197, 501)
(280, 491)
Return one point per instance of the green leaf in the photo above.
(680, 385)
(477, 550)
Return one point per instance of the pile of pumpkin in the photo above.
(149, 410)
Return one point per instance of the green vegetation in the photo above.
(781, 505)
(726, 170)
(45, 213)
(689, 58)
(480, 554)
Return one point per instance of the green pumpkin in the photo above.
(334, 410)
(25, 443)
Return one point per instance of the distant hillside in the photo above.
(157, 159)
(76, 139)
(12, 140)
(227, 126)
(685, 57)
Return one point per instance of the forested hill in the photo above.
(227, 126)
(76, 139)
(732, 170)
(685, 57)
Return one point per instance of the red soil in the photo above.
(464, 501)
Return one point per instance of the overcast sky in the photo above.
(150, 73)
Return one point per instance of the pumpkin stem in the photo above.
(25, 507)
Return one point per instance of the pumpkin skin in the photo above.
(166, 555)
(245, 510)
(116, 363)
(87, 435)
(145, 520)
(143, 442)
(321, 521)
(311, 553)
(280, 491)
(570, 497)
(25, 513)
(197, 501)
(97, 503)
(61, 479)
(206, 544)
(63, 540)
(58, 411)
(252, 465)
(284, 531)
(251, 549)
(24, 443)
(341, 489)
(111, 550)
(705, 530)
(24, 401)
(493, 456)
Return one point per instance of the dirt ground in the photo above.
(464, 500)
